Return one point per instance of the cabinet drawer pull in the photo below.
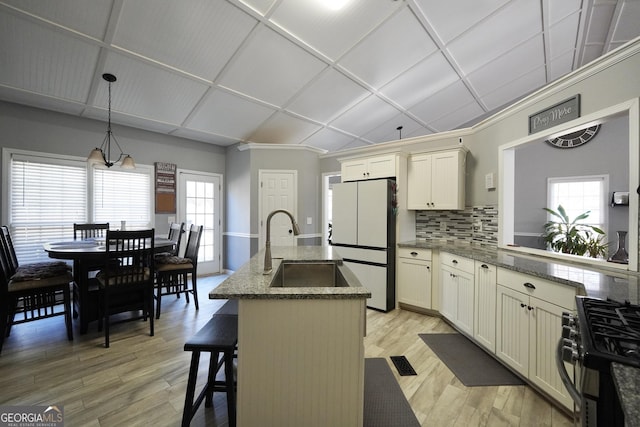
(454, 261)
(529, 307)
(414, 253)
(484, 266)
(529, 285)
(428, 268)
(523, 305)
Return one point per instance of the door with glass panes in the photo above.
(200, 204)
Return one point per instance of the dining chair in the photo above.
(84, 231)
(172, 272)
(89, 230)
(31, 291)
(176, 230)
(126, 279)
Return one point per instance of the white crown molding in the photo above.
(265, 146)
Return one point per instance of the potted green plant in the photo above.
(569, 236)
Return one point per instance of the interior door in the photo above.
(278, 190)
(200, 204)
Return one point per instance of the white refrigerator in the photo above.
(363, 234)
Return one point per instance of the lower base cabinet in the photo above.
(484, 326)
(457, 291)
(528, 329)
(414, 277)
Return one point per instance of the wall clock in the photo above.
(575, 139)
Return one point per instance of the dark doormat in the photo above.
(384, 402)
(469, 363)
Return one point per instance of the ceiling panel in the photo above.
(261, 6)
(560, 65)
(443, 103)
(626, 26)
(517, 22)
(292, 71)
(392, 49)
(328, 139)
(188, 29)
(562, 35)
(559, 10)
(514, 89)
(458, 117)
(146, 91)
(44, 60)
(388, 131)
(271, 68)
(518, 61)
(327, 96)
(365, 116)
(449, 24)
(85, 16)
(228, 115)
(331, 32)
(282, 128)
(422, 80)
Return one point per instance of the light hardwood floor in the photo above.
(141, 380)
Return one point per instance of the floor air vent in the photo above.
(402, 365)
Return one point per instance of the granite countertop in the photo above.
(627, 380)
(248, 282)
(589, 281)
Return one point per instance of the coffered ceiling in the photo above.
(297, 71)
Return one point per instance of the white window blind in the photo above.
(47, 195)
(122, 196)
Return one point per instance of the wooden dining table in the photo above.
(86, 255)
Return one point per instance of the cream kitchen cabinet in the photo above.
(528, 327)
(414, 277)
(383, 166)
(436, 180)
(457, 291)
(484, 326)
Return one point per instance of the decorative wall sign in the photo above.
(560, 113)
(165, 188)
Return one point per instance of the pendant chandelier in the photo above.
(102, 155)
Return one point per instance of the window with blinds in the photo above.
(47, 195)
(120, 195)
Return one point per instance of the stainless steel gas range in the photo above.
(601, 332)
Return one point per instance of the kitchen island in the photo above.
(300, 349)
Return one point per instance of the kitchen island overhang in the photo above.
(300, 349)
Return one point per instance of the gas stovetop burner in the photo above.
(612, 331)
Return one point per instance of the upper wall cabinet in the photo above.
(383, 166)
(436, 180)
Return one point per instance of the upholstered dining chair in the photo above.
(31, 291)
(172, 272)
(126, 279)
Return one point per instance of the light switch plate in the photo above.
(309, 220)
(489, 181)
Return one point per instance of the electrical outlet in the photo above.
(443, 226)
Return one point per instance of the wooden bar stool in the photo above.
(219, 335)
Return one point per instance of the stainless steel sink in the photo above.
(309, 274)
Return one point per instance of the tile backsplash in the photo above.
(477, 224)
